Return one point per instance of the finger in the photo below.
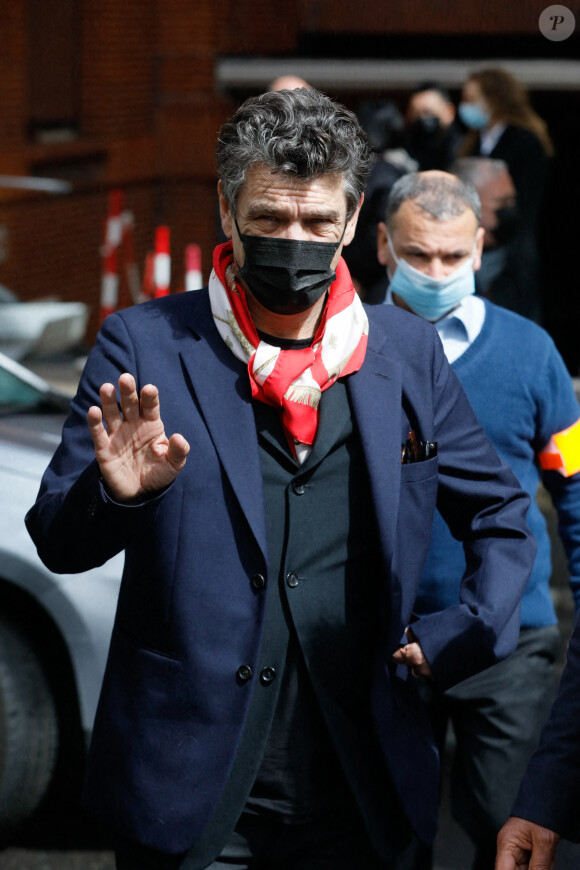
(514, 845)
(129, 397)
(400, 656)
(97, 429)
(111, 414)
(150, 403)
(417, 662)
(506, 860)
(177, 451)
(544, 843)
(413, 655)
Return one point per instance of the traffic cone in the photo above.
(110, 255)
(162, 262)
(193, 279)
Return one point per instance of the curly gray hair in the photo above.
(301, 133)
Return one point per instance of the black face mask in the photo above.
(287, 276)
(508, 224)
(425, 128)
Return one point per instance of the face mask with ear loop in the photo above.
(287, 276)
(431, 298)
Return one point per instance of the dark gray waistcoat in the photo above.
(324, 583)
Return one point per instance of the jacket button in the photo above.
(244, 673)
(267, 675)
(298, 487)
(92, 506)
(292, 580)
(258, 582)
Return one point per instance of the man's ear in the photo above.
(382, 244)
(478, 248)
(351, 225)
(225, 213)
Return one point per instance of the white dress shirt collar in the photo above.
(489, 139)
(460, 327)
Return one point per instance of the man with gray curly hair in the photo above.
(262, 701)
(301, 134)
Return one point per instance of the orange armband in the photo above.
(562, 453)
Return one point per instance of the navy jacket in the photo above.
(550, 791)
(171, 709)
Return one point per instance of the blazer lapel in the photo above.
(221, 386)
(376, 394)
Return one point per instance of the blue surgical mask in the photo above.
(473, 115)
(428, 297)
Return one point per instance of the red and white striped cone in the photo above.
(110, 255)
(162, 262)
(193, 279)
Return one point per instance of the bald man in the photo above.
(517, 383)
(287, 83)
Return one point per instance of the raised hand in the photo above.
(135, 456)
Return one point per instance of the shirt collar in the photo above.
(489, 139)
(467, 317)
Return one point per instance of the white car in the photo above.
(44, 327)
(54, 629)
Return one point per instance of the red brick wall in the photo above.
(423, 16)
(118, 68)
(148, 121)
(149, 115)
(13, 60)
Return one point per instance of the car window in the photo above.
(13, 391)
(21, 389)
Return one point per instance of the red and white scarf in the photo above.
(292, 380)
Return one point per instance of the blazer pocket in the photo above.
(129, 637)
(412, 472)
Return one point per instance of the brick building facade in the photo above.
(124, 93)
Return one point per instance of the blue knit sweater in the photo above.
(522, 393)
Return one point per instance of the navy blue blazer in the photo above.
(550, 791)
(171, 710)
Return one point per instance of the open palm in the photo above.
(134, 454)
